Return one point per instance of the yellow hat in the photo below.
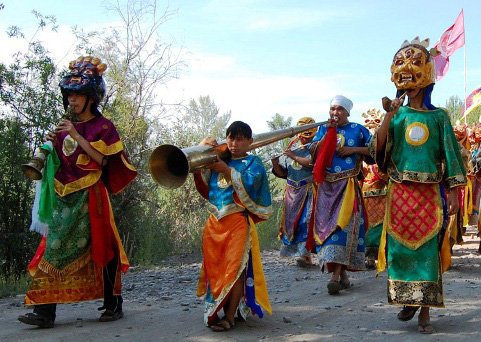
(309, 133)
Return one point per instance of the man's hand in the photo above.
(67, 126)
(345, 151)
(209, 141)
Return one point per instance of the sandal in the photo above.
(371, 264)
(110, 316)
(223, 325)
(407, 313)
(36, 319)
(239, 317)
(333, 287)
(424, 326)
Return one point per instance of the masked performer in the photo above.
(296, 217)
(339, 222)
(459, 221)
(475, 177)
(374, 187)
(417, 148)
(81, 255)
(232, 277)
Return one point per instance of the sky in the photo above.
(257, 58)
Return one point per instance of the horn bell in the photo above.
(33, 169)
(169, 166)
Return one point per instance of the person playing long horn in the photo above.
(339, 217)
(231, 278)
(417, 148)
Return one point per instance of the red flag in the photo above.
(325, 154)
(451, 40)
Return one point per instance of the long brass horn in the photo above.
(170, 165)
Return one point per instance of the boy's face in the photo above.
(238, 146)
(77, 102)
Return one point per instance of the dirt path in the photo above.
(160, 305)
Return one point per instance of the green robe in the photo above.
(421, 149)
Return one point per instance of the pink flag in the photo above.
(451, 40)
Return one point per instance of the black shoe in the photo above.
(36, 319)
(110, 316)
(407, 313)
(333, 287)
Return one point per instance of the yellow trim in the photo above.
(122, 255)
(423, 139)
(263, 212)
(260, 284)
(83, 159)
(82, 183)
(468, 202)
(381, 254)
(347, 206)
(445, 253)
(127, 164)
(107, 150)
(74, 266)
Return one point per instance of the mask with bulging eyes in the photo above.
(309, 134)
(460, 131)
(412, 68)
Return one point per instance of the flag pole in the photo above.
(465, 118)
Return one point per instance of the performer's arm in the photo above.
(383, 130)
(67, 126)
(348, 150)
(277, 169)
(306, 162)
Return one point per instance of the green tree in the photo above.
(30, 107)
(182, 211)
(139, 63)
(276, 123)
(455, 108)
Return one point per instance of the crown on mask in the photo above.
(416, 41)
(424, 43)
(372, 118)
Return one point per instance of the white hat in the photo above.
(342, 101)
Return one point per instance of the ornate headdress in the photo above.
(373, 118)
(309, 133)
(84, 77)
(412, 65)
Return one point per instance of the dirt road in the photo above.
(160, 305)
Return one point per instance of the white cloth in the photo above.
(37, 225)
(342, 101)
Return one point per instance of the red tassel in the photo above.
(325, 154)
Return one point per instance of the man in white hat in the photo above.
(339, 222)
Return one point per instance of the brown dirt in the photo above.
(160, 305)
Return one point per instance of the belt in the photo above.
(299, 183)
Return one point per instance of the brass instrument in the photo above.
(33, 169)
(292, 149)
(170, 165)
